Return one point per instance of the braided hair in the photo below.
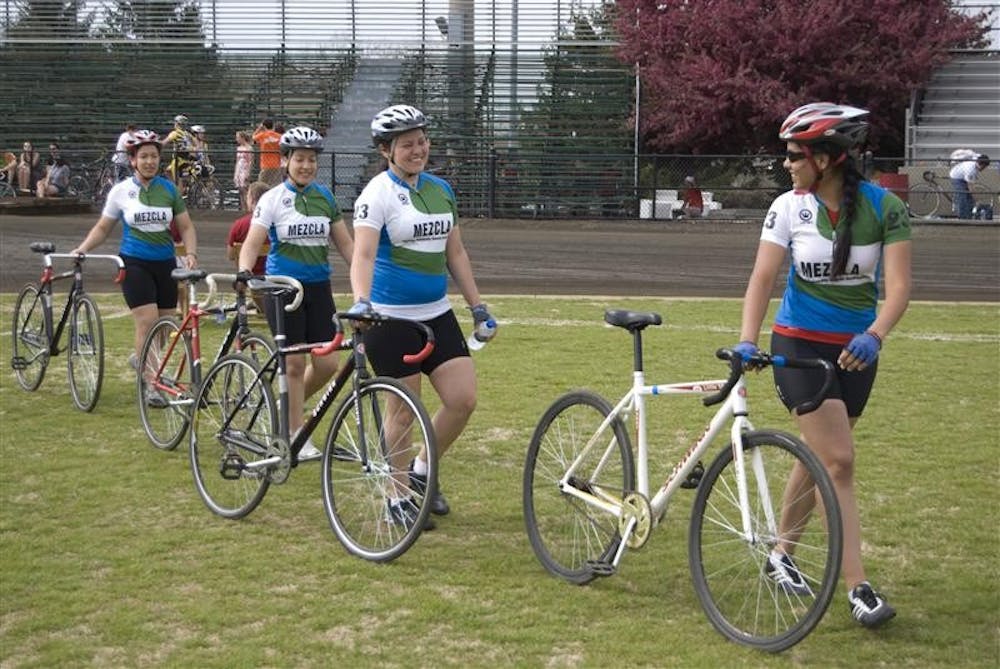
(852, 179)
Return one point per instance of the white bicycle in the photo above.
(587, 498)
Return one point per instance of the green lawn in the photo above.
(110, 559)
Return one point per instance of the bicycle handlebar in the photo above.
(48, 248)
(372, 317)
(738, 367)
(213, 278)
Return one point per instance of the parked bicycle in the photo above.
(170, 363)
(36, 338)
(240, 441)
(931, 199)
(203, 190)
(587, 498)
(7, 191)
(93, 180)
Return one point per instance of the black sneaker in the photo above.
(869, 607)
(404, 513)
(783, 571)
(439, 505)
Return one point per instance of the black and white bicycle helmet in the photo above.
(181, 119)
(816, 122)
(141, 138)
(301, 137)
(395, 120)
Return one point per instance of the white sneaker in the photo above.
(309, 452)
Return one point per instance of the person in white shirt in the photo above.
(122, 167)
(962, 175)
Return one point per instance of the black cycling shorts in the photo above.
(312, 322)
(796, 386)
(149, 282)
(386, 343)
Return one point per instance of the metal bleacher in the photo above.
(959, 108)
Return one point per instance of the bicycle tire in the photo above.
(742, 602)
(923, 200)
(30, 339)
(85, 363)
(165, 425)
(567, 535)
(357, 478)
(233, 424)
(78, 186)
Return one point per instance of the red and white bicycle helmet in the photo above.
(395, 120)
(141, 138)
(301, 137)
(816, 122)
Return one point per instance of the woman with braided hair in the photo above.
(840, 233)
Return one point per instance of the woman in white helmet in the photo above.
(839, 233)
(300, 218)
(406, 244)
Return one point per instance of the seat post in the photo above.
(637, 349)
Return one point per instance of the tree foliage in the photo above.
(719, 76)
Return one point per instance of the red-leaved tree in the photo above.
(719, 76)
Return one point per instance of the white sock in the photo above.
(419, 466)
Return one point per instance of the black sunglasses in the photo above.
(794, 156)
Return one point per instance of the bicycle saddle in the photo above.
(43, 247)
(631, 320)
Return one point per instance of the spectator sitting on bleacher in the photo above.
(9, 169)
(692, 203)
(55, 181)
(27, 168)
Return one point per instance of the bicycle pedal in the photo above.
(231, 467)
(600, 568)
(18, 363)
(694, 478)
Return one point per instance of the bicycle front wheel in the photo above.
(30, 339)
(924, 201)
(85, 364)
(792, 505)
(231, 429)
(568, 535)
(374, 507)
(165, 390)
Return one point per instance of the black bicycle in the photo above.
(36, 338)
(240, 442)
(93, 180)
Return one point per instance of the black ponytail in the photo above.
(849, 206)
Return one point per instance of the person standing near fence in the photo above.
(300, 218)
(269, 142)
(840, 233)
(146, 205)
(968, 165)
(406, 243)
(243, 167)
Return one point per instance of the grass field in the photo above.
(109, 558)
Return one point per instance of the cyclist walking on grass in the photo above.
(840, 233)
(406, 243)
(146, 205)
(300, 218)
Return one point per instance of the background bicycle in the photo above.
(169, 369)
(240, 442)
(587, 498)
(934, 199)
(203, 190)
(93, 180)
(36, 337)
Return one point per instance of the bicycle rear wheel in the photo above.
(30, 339)
(232, 428)
(570, 537)
(375, 434)
(165, 389)
(730, 570)
(79, 186)
(924, 200)
(85, 364)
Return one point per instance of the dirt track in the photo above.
(696, 259)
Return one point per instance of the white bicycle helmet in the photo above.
(181, 119)
(301, 137)
(396, 120)
(198, 128)
(141, 138)
(842, 125)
